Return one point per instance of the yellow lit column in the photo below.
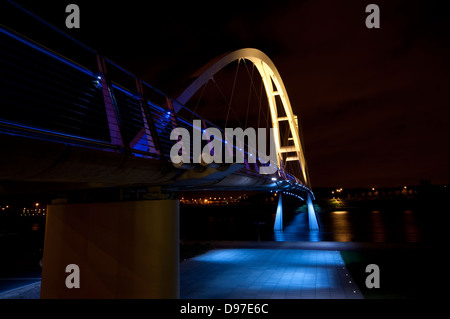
(123, 250)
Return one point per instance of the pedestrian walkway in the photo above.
(28, 291)
(257, 270)
(267, 274)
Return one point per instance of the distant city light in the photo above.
(213, 201)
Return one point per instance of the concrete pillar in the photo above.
(122, 250)
(279, 215)
(313, 224)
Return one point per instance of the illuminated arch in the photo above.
(273, 85)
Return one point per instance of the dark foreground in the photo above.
(399, 236)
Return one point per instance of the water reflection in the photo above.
(412, 233)
(342, 228)
(362, 225)
(314, 235)
(378, 227)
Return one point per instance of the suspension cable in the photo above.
(232, 92)
(226, 101)
(198, 101)
(249, 93)
(259, 97)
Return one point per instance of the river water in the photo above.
(349, 224)
(407, 222)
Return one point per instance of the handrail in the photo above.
(113, 84)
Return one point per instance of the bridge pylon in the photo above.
(122, 249)
(312, 217)
(278, 226)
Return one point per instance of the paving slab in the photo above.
(245, 273)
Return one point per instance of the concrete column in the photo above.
(122, 250)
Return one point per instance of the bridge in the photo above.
(66, 124)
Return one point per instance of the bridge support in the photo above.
(313, 224)
(122, 250)
(279, 215)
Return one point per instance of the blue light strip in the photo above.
(45, 50)
(155, 107)
(155, 89)
(51, 26)
(120, 68)
(184, 121)
(24, 127)
(78, 67)
(123, 90)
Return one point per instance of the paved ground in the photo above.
(254, 270)
(29, 291)
(10, 280)
(267, 274)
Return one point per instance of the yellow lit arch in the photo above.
(269, 74)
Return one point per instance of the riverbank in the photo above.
(404, 273)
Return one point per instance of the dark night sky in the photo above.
(373, 103)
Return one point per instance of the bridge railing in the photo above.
(48, 96)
